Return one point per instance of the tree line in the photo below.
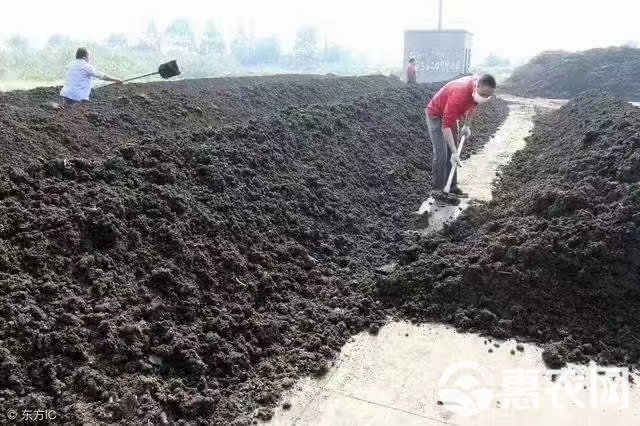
(205, 54)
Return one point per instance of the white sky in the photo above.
(512, 28)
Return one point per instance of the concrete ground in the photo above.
(431, 374)
(393, 379)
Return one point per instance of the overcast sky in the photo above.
(513, 28)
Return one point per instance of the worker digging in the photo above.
(79, 79)
(455, 100)
(80, 76)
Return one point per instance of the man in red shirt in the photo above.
(411, 71)
(457, 99)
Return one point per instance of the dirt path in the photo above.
(554, 256)
(479, 170)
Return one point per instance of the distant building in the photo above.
(440, 54)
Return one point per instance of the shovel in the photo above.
(166, 70)
(454, 167)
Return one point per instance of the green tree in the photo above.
(212, 40)
(181, 34)
(4, 63)
(58, 40)
(305, 47)
(494, 60)
(17, 43)
(117, 41)
(151, 41)
(266, 51)
(52, 59)
(335, 54)
(241, 47)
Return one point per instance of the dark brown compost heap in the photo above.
(183, 252)
(555, 257)
(562, 75)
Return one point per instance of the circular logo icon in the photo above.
(465, 388)
(12, 414)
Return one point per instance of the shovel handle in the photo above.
(133, 78)
(454, 167)
(141, 76)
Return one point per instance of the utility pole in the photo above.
(440, 16)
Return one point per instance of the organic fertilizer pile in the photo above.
(555, 256)
(183, 252)
(562, 75)
(138, 113)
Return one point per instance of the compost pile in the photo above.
(182, 253)
(555, 256)
(143, 112)
(562, 75)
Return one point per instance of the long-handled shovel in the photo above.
(454, 167)
(166, 70)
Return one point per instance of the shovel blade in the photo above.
(169, 69)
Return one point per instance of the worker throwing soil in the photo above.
(80, 75)
(457, 99)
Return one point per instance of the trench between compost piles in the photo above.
(477, 172)
(394, 377)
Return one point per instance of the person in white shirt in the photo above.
(80, 75)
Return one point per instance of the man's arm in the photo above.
(107, 78)
(101, 76)
(449, 138)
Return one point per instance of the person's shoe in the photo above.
(443, 198)
(458, 192)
